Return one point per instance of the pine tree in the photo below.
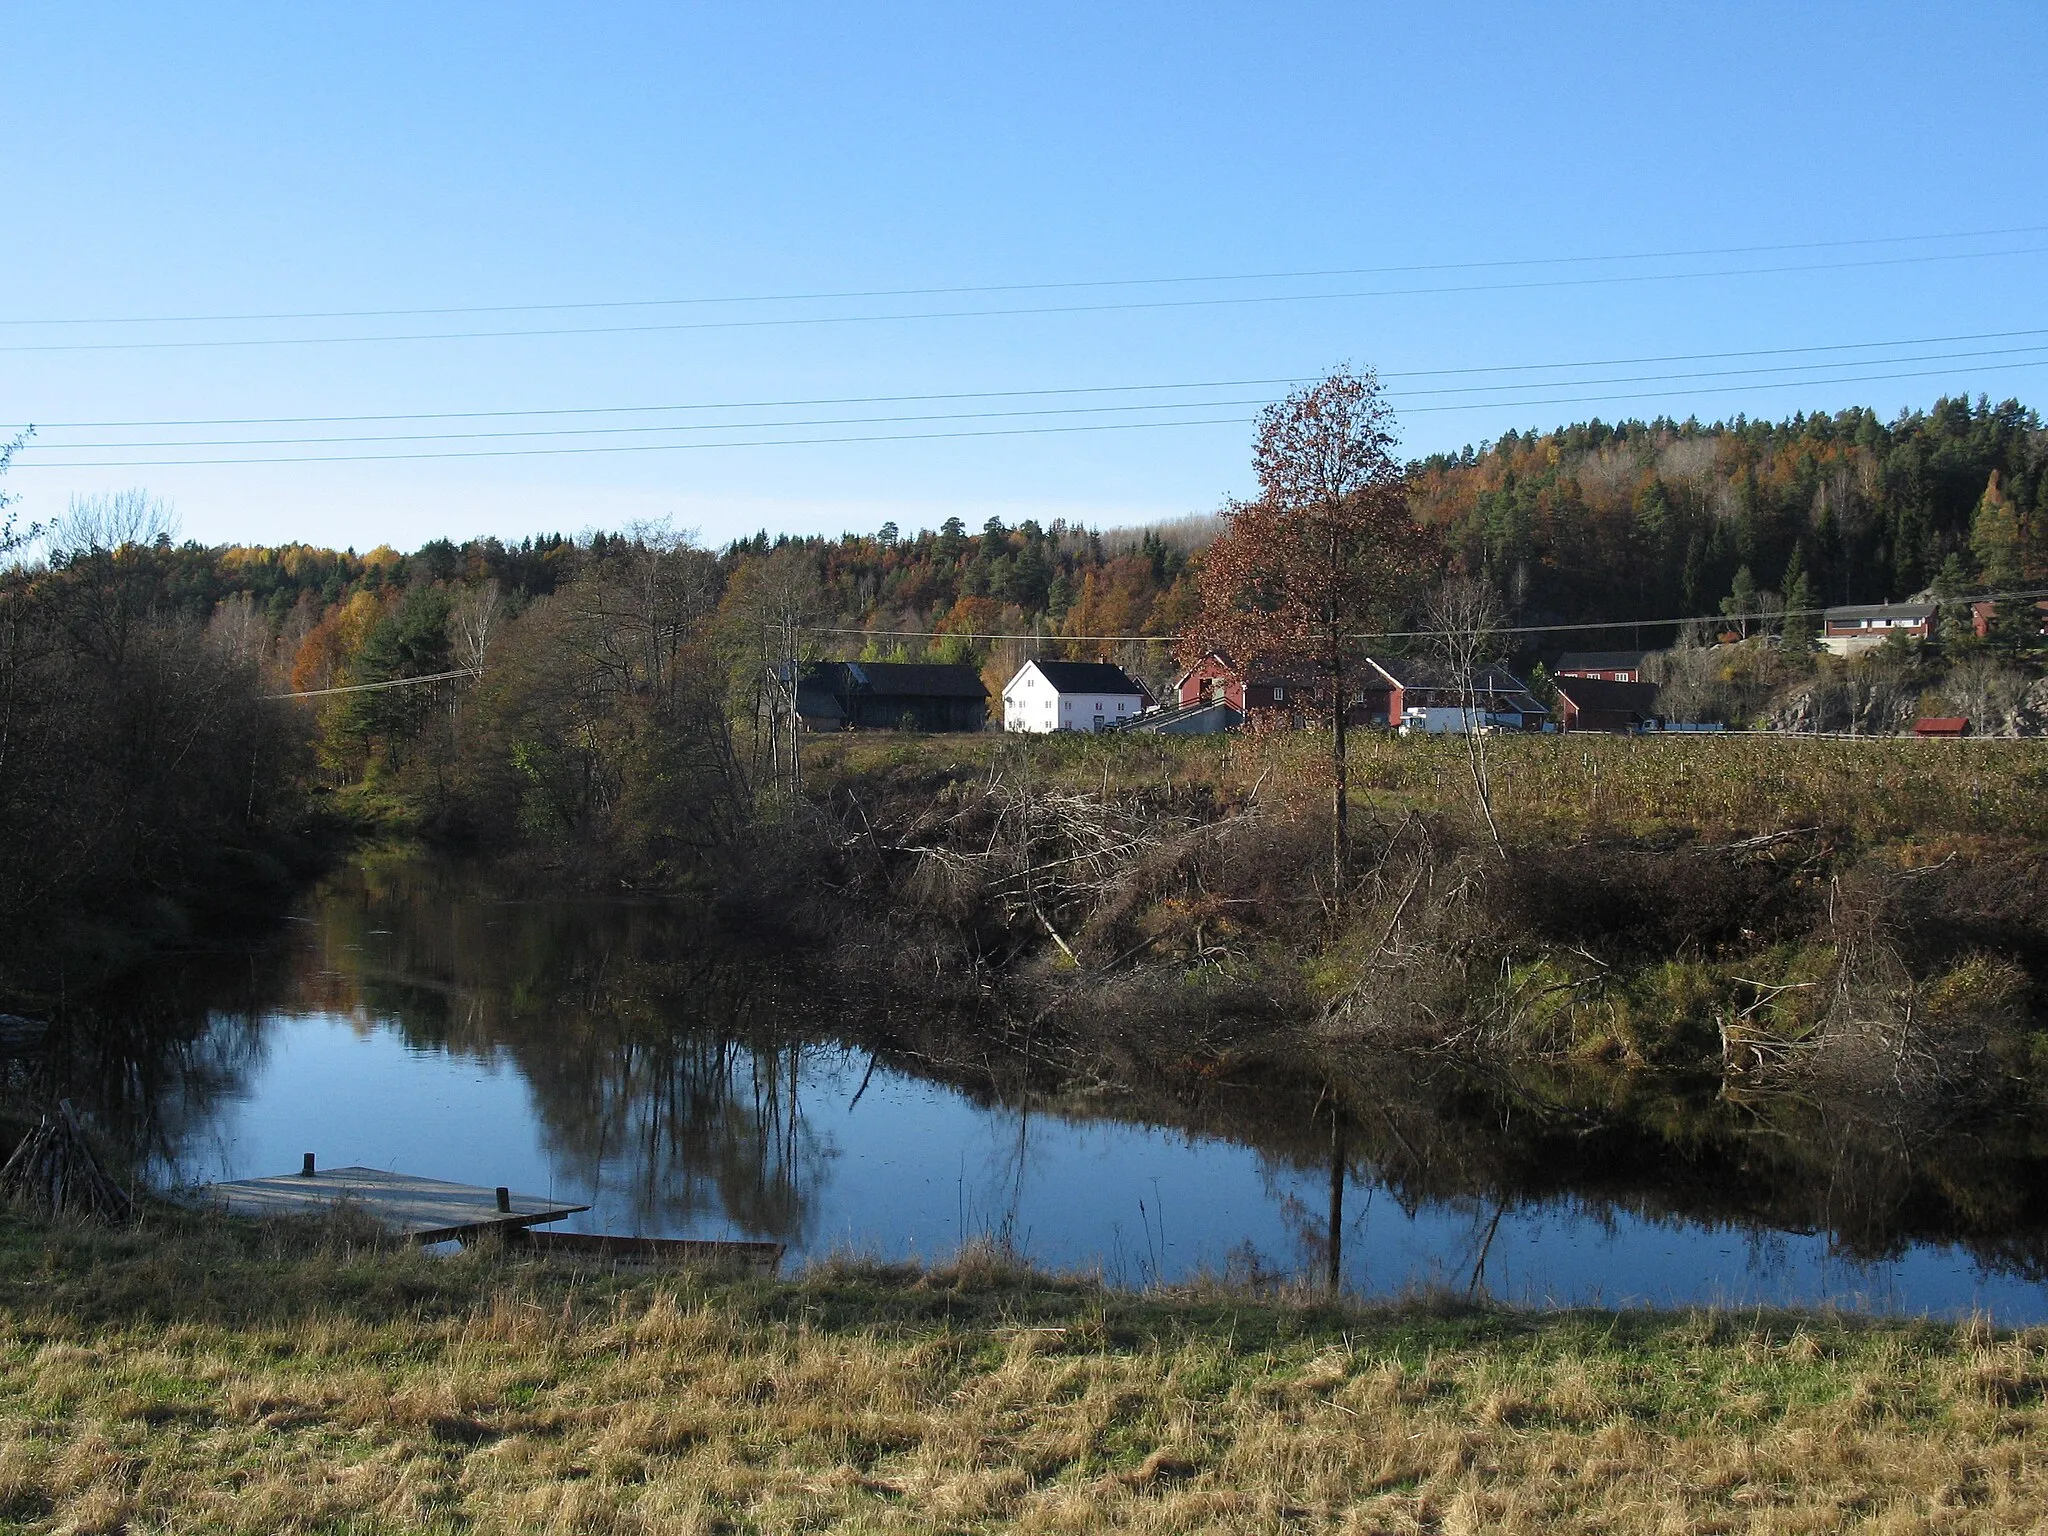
(1800, 626)
(1996, 540)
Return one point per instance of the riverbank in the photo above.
(1755, 913)
(199, 1375)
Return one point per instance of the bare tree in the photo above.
(769, 619)
(1465, 618)
(112, 521)
(473, 624)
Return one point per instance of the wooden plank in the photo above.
(763, 1258)
(425, 1210)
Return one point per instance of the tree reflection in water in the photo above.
(668, 1066)
(660, 1065)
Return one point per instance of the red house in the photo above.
(1601, 704)
(1608, 666)
(1982, 614)
(1418, 694)
(1261, 687)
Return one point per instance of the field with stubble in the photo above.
(186, 1377)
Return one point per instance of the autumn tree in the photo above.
(1327, 549)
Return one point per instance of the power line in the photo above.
(1402, 634)
(1017, 394)
(905, 437)
(517, 453)
(1026, 311)
(1716, 389)
(1048, 639)
(1042, 287)
(1080, 410)
(394, 682)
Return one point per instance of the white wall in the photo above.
(1032, 704)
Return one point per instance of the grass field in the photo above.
(1545, 787)
(210, 1378)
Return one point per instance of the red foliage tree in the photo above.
(1328, 549)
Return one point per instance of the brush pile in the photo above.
(54, 1173)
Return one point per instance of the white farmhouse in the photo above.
(1071, 696)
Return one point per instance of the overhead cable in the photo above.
(1534, 402)
(1014, 394)
(1072, 410)
(1406, 634)
(1125, 305)
(1301, 275)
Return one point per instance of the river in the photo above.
(628, 1056)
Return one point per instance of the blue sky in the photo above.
(222, 161)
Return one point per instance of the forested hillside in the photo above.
(1592, 522)
(1644, 520)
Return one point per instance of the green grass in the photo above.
(190, 1376)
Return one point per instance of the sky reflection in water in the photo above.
(512, 1045)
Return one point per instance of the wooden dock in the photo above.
(759, 1258)
(404, 1204)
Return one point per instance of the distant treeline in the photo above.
(1593, 522)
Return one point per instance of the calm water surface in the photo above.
(622, 1055)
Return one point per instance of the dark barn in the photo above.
(891, 696)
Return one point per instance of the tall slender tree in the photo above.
(1326, 550)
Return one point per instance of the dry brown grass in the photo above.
(1547, 787)
(183, 1381)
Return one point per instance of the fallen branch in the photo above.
(54, 1173)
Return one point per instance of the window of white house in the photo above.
(1279, 694)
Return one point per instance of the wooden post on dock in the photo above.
(306, 1168)
(504, 1198)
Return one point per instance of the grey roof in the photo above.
(1406, 672)
(1088, 677)
(1857, 612)
(1600, 661)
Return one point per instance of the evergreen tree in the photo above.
(1995, 540)
(1800, 626)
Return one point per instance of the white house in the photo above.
(1071, 696)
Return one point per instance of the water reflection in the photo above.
(631, 1055)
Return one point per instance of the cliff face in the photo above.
(1996, 701)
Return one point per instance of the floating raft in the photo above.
(761, 1258)
(404, 1204)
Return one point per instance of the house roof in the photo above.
(913, 679)
(886, 679)
(1600, 661)
(1406, 672)
(1599, 693)
(1087, 677)
(1292, 671)
(1857, 613)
